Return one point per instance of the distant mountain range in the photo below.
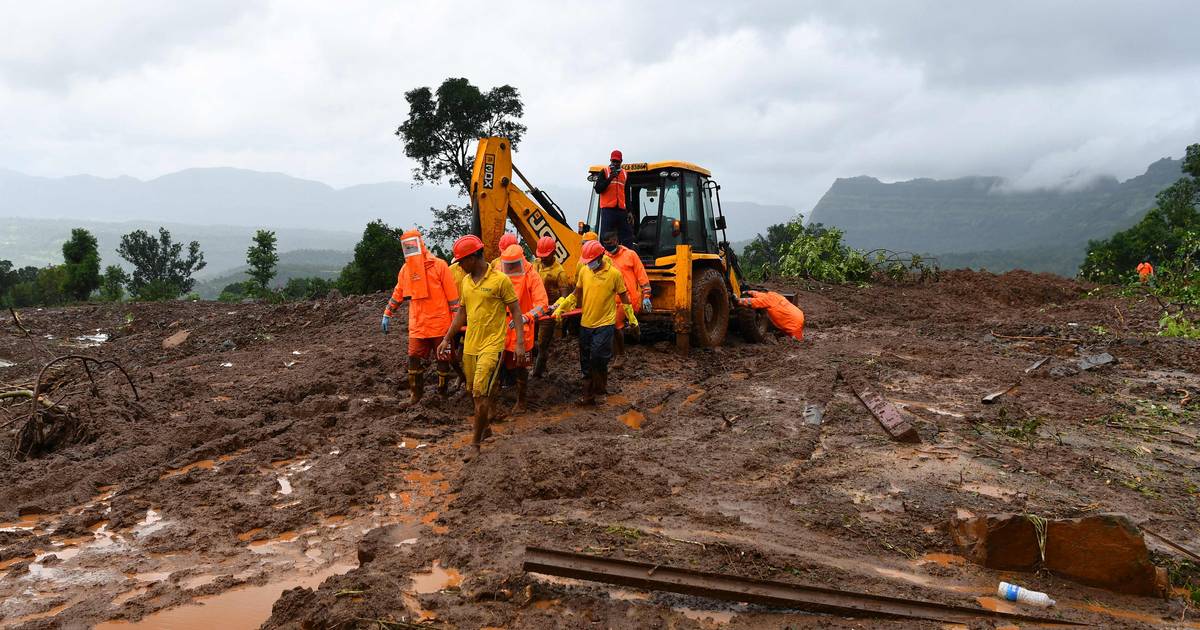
(982, 222)
(221, 207)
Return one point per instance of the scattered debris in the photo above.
(5, 363)
(991, 398)
(765, 592)
(1014, 593)
(1105, 550)
(814, 414)
(1036, 364)
(174, 340)
(1172, 544)
(1095, 360)
(896, 426)
(91, 341)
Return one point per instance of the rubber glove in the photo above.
(646, 306)
(564, 305)
(629, 316)
(386, 321)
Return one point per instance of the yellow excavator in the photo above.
(679, 235)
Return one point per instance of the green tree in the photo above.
(442, 126)
(1160, 236)
(81, 261)
(262, 260)
(377, 258)
(161, 271)
(112, 284)
(795, 250)
(307, 288)
(235, 292)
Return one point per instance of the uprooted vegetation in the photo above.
(270, 437)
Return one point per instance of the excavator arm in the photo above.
(496, 199)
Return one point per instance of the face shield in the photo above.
(411, 246)
(513, 268)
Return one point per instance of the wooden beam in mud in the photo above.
(892, 422)
(765, 592)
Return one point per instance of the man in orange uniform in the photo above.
(1144, 271)
(486, 295)
(557, 285)
(531, 295)
(610, 185)
(783, 314)
(426, 282)
(636, 282)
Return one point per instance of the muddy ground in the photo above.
(245, 485)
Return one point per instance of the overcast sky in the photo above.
(778, 99)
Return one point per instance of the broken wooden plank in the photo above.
(889, 418)
(766, 592)
(991, 398)
(1172, 544)
(1036, 364)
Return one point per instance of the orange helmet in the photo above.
(590, 236)
(512, 261)
(591, 251)
(546, 246)
(466, 245)
(508, 238)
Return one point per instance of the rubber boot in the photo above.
(443, 374)
(416, 385)
(522, 375)
(603, 376)
(618, 350)
(589, 389)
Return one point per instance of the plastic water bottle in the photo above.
(1014, 593)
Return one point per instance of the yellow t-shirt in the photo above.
(600, 289)
(485, 303)
(554, 278)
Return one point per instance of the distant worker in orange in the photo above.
(531, 295)
(610, 185)
(426, 282)
(636, 282)
(1145, 270)
(558, 285)
(786, 316)
(486, 295)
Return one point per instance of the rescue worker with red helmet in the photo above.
(426, 282)
(506, 239)
(598, 286)
(558, 285)
(610, 185)
(486, 295)
(786, 316)
(531, 295)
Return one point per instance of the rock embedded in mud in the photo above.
(174, 340)
(1105, 550)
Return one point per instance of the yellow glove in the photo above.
(563, 305)
(629, 316)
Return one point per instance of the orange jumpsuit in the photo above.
(432, 295)
(531, 295)
(637, 283)
(786, 316)
(1144, 271)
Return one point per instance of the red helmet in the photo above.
(591, 251)
(616, 155)
(506, 239)
(546, 246)
(466, 245)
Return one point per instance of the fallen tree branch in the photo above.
(1041, 338)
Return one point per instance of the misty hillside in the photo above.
(977, 222)
(300, 263)
(39, 242)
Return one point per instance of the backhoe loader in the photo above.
(694, 275)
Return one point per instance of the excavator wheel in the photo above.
(710, 308)
(753, 324)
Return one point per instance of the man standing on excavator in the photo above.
(636, 283)
(426, 282)
(557, 285)
(610, 185)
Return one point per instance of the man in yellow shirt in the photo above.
(558, 285)
(597, 286)
(487, 297)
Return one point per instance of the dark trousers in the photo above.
(595, 348)
(617, 220)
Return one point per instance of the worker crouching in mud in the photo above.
(597, 287)
(531, 296)
(426, 282)
(487, 295)
(786, 316)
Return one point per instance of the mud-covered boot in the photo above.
(618, 351)
(416, 385)
(443, 385)
(589, 389)
(539, 365)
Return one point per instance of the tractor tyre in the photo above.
(753, 324)
(710, 308)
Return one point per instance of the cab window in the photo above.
(671, 217)
(695, 228)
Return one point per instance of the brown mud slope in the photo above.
(271, 474)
